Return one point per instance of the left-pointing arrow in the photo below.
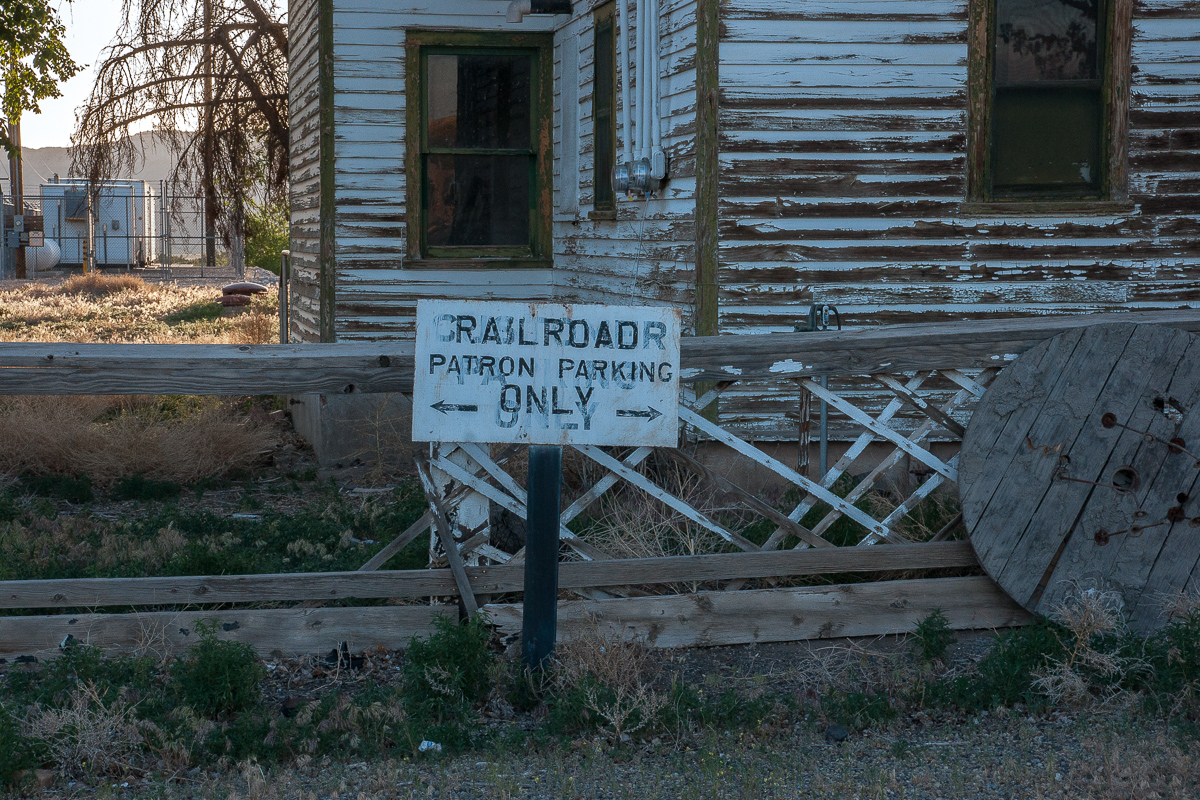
(444, 407)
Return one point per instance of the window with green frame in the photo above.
(604, 108)
(1048, 111)
(478, 148)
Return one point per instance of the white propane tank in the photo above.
(44, 258)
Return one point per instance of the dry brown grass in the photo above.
(113, 437)
(180, 440)
(616, 675)
(1140, 769)
(87, 736)
(126, 309)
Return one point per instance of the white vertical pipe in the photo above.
(655, 68)
(643, 46)
(624, 74)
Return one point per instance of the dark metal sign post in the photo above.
(539, 615)
(547, 375)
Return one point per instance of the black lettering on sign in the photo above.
(435, 360)
(491, 332)
(507, 366)
(565, 365)
(509, 410)
(554, 407)
(453, 366)
(552, 327)
(604, 336)
(578, 333)
(444, 333)
(655, 331)
(525, 367)
(664, 372)
(465, 324)
(521, 340)
(645, 371)
(488, 364)
(585, 410)
(627, 334)
(533, 399)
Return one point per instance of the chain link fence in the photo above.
(135, 226)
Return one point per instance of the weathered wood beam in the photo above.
(64, 368)
(782, 615)
(290, 631)
(102, 592)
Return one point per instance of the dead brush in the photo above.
(1143, 769)
(98, 284)
(615, 677)
(87, 737)
(1089, 616)
(96, 436)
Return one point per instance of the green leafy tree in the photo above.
(33, 59)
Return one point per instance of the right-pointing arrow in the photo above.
(651, 413)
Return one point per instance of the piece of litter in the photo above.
(428, 746)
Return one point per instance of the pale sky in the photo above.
(91, 25)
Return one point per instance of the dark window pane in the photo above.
(479, 100)
(603, 103)
(477, 200)
(1039, 40)
(1046, 139)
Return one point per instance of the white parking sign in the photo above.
(542, 373)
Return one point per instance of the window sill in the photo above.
(1030, 206)
(477, 263)
(606, 215)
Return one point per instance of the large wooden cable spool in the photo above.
(1080, 470)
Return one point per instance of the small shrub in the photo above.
(859, 710)
(15, 751)
(219, 677)
(88, 735)
(445, 676)
(933, 637)
(204, 311)
(1173, 658)
(266, 235)
(605, 681)
(136, 487)
(72, 488)
(1007, 674)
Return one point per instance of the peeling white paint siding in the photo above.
(843, 154)
(305, 169)
(648, 253)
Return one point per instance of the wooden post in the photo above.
(539, 616)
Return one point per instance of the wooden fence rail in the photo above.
(495, 579)
(66, 368)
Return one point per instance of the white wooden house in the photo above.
(905, 160)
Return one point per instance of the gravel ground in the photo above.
(1108, 752)
(1006, 757)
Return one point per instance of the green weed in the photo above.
(136, 487)
(72, 488)
(219, 677)
(204, 311)
(445, 676)
(932, 637)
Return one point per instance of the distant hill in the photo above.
(41, 163)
